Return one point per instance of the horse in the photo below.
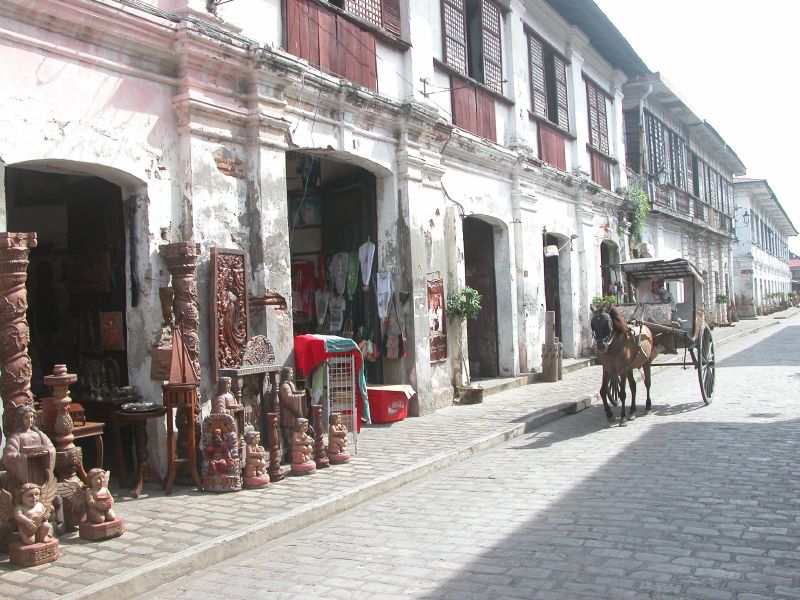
(621, 348)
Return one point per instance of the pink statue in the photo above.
(255, 464)
(101, 522)
(337, 439)
(302, 449)
(99, 501)
(218, 455)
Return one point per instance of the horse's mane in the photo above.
(618, 320)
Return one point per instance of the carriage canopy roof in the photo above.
(655, 268)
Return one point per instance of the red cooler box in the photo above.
(389, 403)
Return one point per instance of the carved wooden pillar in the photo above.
(15, 382)
(181, 259)
(274, 471)
(320, 456)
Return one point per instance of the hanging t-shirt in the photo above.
(384, 283)
(337, 307)
(321, 299)
(352, 274)
(338, 271)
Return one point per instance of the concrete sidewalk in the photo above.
(171, 536)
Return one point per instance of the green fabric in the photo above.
(352, 274)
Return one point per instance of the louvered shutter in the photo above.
(391, 16)
(536, 65)
(455, 35)
(594, 133)
(602, 123)
(491, 46)
(561, 91)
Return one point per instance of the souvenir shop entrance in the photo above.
(332, 235)
(76, 276)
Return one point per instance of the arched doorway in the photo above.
(609, 255)
(479, 271)
(552, 275)
(332, 214)
(77, 282)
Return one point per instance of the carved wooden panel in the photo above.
(230, 328)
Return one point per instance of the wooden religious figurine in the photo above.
(101, 522)
(255, 463)
(337, 439)
(30, 511)
(293, 406)
(302, 449)
(219, 445)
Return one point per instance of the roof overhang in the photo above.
(760, 191)
(658, 91)
(657, 268)
(603, 35)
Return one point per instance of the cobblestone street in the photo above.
(692, 502)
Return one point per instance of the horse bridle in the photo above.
(609, 339)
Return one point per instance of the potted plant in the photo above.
(465, 304)
(722, 298)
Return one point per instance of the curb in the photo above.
(150, 576)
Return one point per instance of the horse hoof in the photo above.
(631, 417)
(623, 423)
(610, 418)
(648, 411)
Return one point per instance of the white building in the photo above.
(761, 253)
(687, 170)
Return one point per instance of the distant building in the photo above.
(761, 253)
(794, 267)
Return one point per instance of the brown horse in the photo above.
(621, 348)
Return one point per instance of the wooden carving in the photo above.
(229, 309)
(15, 381)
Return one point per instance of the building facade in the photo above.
(687, 170)
(761, 254)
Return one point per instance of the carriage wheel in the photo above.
(614, 385)
(706, 365)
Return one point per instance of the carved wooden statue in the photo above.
(302, 449)
(337, 439)
(30, 510)
(255, 463)
(293, 406)
(219, 444)
(101, 522)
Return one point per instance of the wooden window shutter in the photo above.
(491, 46)
(465, 107)
(591, 100)
(454, 27)
(487, 122)
(602, 123)
(536, 65)
(391, 16)
(561, 91)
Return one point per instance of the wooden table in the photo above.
(144, 470)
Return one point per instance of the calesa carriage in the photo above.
(664, 317)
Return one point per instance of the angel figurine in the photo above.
(31, 511)
(99, 501)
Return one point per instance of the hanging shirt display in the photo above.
(352, 274)
(338, 271)
(337, 307)
(366, 254)
(384, 284)
(321, 298)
